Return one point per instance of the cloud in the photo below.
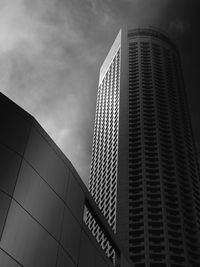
(44, 69)
(51, 52)
(16, 27)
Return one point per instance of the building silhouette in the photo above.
(144, 172)
(43, 201)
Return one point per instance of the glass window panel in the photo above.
(7, 261)
(75, 198)
(4, 207)
(39, 200)
(9, 167)
(64, 259)
(14, 129)
(87, 252)
(71, 235)
(26, 241)
(45, 160)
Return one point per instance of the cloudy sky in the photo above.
(51, 52)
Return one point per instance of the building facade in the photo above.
(144, 172)
(43, 201)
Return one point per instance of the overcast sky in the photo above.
(51, 52)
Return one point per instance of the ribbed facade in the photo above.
(103, 173)
(105, 144)
(160, 178)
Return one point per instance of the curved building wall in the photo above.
(163, 173)
(42, 200)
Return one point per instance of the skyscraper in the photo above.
(144, 172)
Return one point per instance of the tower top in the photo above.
(113, 50)
(152, 32)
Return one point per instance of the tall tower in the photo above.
(144, 171)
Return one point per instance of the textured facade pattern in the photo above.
(105, 145)
(159, 180)
(42, 201)
(163, 173)
(103, 173)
